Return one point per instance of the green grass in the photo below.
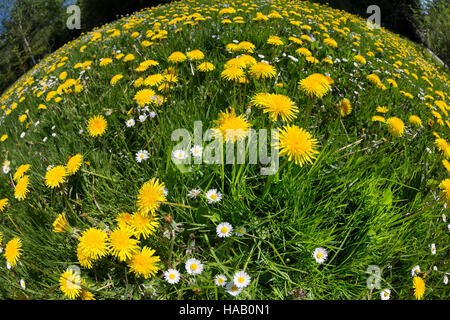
(369, 198)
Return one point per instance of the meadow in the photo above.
(95, 204)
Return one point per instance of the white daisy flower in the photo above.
(152, 114)
(240, 231)
(320, 254)
(22, 135)
(385, 294)
(435, 268)
(142, 117)
(8, 266)
(172, 276)
(6, 169)
(213, 196)
(196, 151)
(194, 266)
(444, 217)
(22, 284)
(233, 289)
(53, 134)
(224, 230)
(130, 123)
(45, 139)
(433, 248)
(179, 154)
(220, 280)
(164, 191)
(445, 280)
(241, 279)
(415, 271)
(141, 155)
(194, 193)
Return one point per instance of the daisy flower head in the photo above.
(224, 230)
(193, 193)
(233, 290)
(150, 197)
(193, 266)
(320, 254)
(415, 271)
(297, 144)
(179, 154)
(433, 248)
(22, 284)
(69, 283)
(196, 151)
(55, 176)
(220, 280)
(141, 155)
(240, 231)
(213, 195)
(130, 123)
(385, 294)
(144, 263)
(172, 276)
(241, 279)
(97, 126)
(445, 280)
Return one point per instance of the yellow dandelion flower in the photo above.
(231, 127)
(232, 74)
(74, 164)
(396, 127)
(97, 126)
(3, 137)
(85, 294)
(195, 55)
(94, 243)
(345, 107)
(360, 59)
(262, 70)
(55, 176)
(20, 172)
(205, 67)
(115, 79)
(150, 196)
(382, 109)
(124, 220)
(21, 190)
(144, 97)
(144, 263)
(330, 42)
(69, 283)
(277, 106)
(143, 224)
(315, 85)
(105, 62)
(415, 121)
(122, 246)
(297, 144)
(177, 57)
(419, 287)
(446, 164)
(60, 224)
(443, 146)
(154, 80)
(3, 204)
(84, 261)
(13, 251)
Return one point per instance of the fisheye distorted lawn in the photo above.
(98, 201)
